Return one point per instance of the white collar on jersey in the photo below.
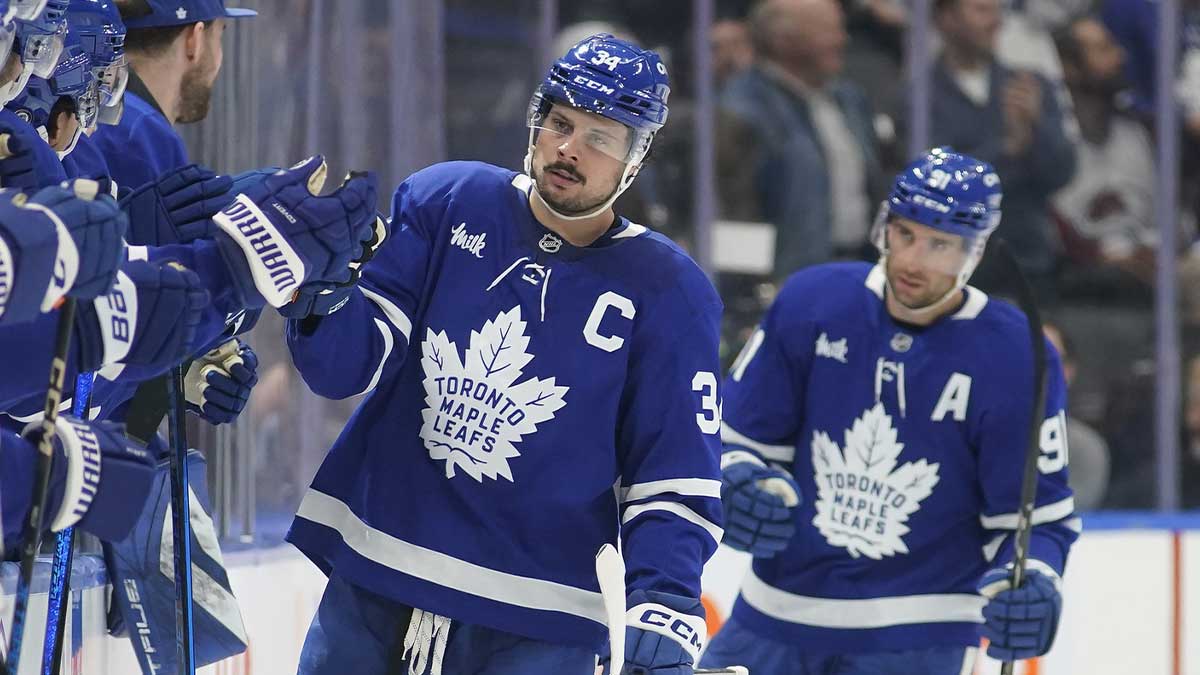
(524, 183)
(976, 299)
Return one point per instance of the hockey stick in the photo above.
(181, 523)
(610, 572)
(64, 555)
(31, 537)
(1028, 304)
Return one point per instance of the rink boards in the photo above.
(1131, 591)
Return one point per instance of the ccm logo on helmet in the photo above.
(594, 85)
(678, 627)
(928, 203)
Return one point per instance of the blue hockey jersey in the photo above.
(144, 145)
(528, 401)
(908, 445)
(46, 164)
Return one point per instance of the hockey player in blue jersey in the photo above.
(875, 429)
(541, 380)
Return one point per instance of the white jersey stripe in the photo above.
(678, 509)
(777, 453)
(388, 341)
(394, 314)
(856, 614)
(1041, 515)
(684, 487)
(448, 571)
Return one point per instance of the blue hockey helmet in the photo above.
(948, 191)
(40, 40)
(95, 26)
(613, 78)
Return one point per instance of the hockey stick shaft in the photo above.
(1029, 479)
(64, 555)
(181, 523)
(31, 537)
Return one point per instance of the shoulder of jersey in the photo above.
(828, 286)
(475, 181)
(662, 266)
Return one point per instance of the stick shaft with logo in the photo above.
(31, 537)
(64, 550)
(1029, 479)
(181, 523)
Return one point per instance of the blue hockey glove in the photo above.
(758, 502)
(97, 228)
(664, 634)
(280, 234)
(218, 384)
(29, 248)
(1021, 623)
(148, 320)
(177, 208)
(18, 168)
(322, 299)
(104, 482)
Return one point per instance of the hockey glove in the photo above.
(218, 384)
(758, 502)
(149, 319)
(29, 249)
(323, 299)
(664, 634)
(280, 234)
(1021, 623)
(96, 227)
(18, 168)
(177, 208)
(104, 481)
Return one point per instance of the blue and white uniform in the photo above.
(528, 401)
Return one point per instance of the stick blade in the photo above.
(610, 572)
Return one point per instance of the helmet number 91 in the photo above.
(603, 58)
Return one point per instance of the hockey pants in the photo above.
(356, 631)
(736, 645)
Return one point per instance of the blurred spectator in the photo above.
(814, 158)
(1106, 213)
(732, 49)
(874, 61)
(1190, 461)
(1089, 461)
(1134, 24)
(1006, 117)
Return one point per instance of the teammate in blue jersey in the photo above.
(541, 380)
(875, 430)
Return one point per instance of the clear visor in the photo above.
(8, 35)
(111, 114)
(614, 140)
(921, 250)
(87, 108)
(41, 53)
(112, 80)
(26, 10)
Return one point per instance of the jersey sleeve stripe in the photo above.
(387, 351)
(778, 453)
(684, 487)
(1041, 515)
(679, 510)
(394, 315)
(446, 570)
(861, 613)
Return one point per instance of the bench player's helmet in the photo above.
(613, 78)
(947, 191)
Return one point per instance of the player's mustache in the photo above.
(567, 169)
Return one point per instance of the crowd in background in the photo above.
(1059, 95)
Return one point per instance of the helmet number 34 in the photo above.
(603, 58)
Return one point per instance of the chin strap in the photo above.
(626, 180)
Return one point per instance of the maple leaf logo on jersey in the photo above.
(477, 412)
(863, 500)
